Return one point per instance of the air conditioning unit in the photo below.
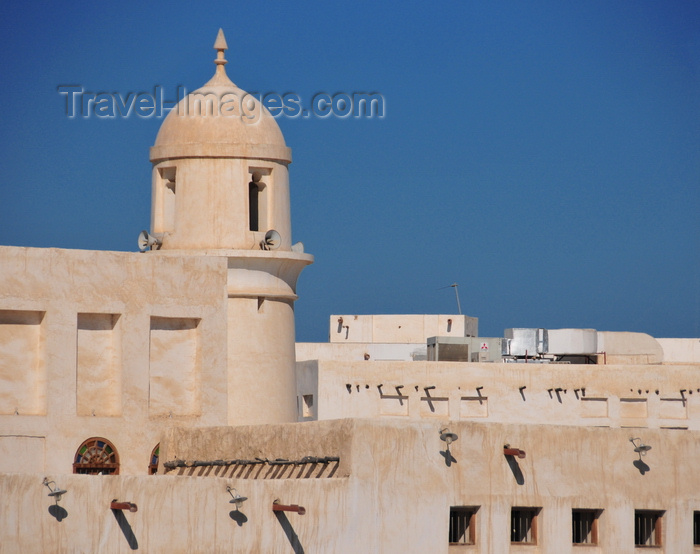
(448, 349)
(524, 342)
(466, 349)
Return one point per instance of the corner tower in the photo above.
(220, 187)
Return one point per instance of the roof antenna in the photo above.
(454, 286)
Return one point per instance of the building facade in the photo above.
(157, 401)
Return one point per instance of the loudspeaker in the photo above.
(147, 241)
(271, 241)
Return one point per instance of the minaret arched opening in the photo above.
(257, 202)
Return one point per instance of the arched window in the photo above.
(96, 456)
(257, 200)
(153, 465)
(253, 201)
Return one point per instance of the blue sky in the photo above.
(544, 155)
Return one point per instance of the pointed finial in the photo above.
(220, 77)
(220, 46)
(220, 43)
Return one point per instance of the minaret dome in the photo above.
(220, 178)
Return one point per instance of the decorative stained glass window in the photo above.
(96, 456)
(153, 465)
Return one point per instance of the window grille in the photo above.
(585, 526)
(523, 525)
(647, 528)
(463, 525)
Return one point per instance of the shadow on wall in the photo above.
(238, 516)
(126, 529)
(59, 513)
(641, 466)
(515, 468)
(289, 531)
(449, 458)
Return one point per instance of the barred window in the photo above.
(523, 525)
(585, 526)
(463, 525)
(647, 527)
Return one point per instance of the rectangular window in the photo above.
(308, 405)
(696, 528)
(463, 525)
(258, 199)
(164, 216)
(585, 526)
(523, 525)
(647, 527)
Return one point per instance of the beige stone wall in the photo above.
(85, 351)
(629, 348)
(680, 351)
(125, 345)
(290, 441)
(394, 495)
(646, 396)
(99, 365)
(261, 358)
(22, 362)
(176, 515)
(403, 328)
(359, 351)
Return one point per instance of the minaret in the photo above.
(221, 188)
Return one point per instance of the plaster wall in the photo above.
(680, 351)
(632, 348)
(88, 364)
(358, 351)
(405, 328)
(23, 364)
(393, 496)
(544, 394)
(124, 345)
(99, 362)
(261, 357)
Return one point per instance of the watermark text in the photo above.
(248, 106)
